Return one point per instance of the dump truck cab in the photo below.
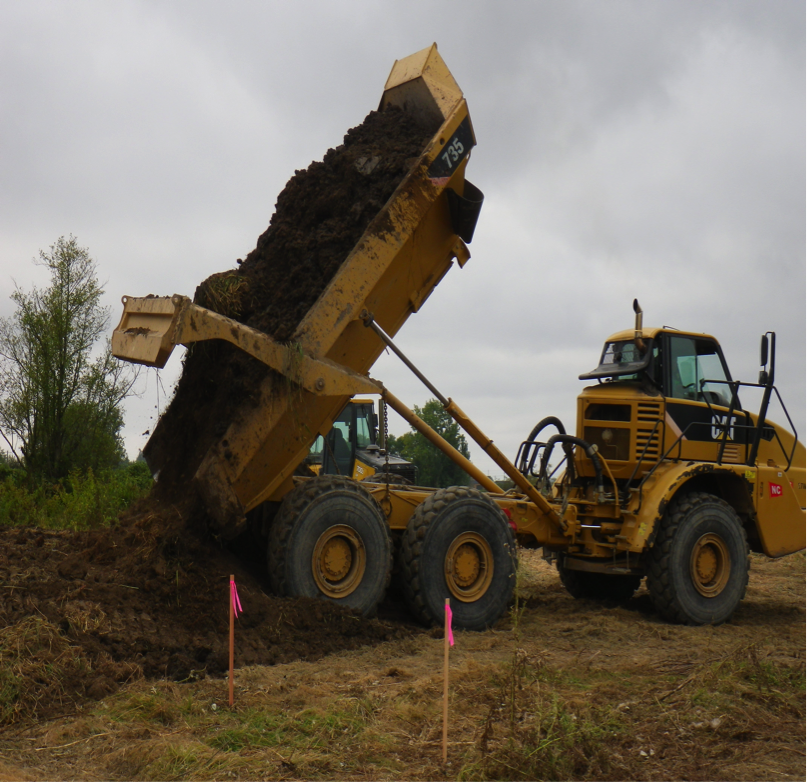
(656, 389)
(671, 478)
(667, 417)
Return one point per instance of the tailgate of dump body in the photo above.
(402, 256)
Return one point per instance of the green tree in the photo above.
(60, 396)
(433, 466)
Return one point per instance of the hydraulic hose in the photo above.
(570, 440)
(550, 420)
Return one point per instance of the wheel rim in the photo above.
(469, 567)
(710, 565)
(338, 561)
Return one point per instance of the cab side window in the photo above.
(694, 362)
(362, 433)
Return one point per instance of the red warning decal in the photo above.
(776, 490)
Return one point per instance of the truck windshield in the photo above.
(622, 359)
(620, 353)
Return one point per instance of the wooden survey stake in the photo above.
(232, 632)
(447, 634)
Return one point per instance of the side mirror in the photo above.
(767, 358)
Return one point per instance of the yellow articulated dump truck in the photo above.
(666, 477)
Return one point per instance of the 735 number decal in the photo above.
(454, 152)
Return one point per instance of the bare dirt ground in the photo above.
(560, 689)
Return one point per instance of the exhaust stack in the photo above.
(637, 334)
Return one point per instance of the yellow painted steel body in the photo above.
(533, 526)
(402, 256)
(768, 495)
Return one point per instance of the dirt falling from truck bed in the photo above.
(319, 217)
(149, 596)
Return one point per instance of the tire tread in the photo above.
(413, 539)
(659, 583)
(293, 504)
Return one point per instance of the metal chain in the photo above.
(386, 435)
(386, 443)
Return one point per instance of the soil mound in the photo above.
(92, 610)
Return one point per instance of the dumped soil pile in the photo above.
(83, 613)
(319, 217)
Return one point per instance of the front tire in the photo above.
(698, 567)
(330, 539)
(458, 545)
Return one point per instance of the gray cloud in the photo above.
(649, 149)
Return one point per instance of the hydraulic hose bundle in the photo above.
(529, 450)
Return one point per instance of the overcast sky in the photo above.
(626, 149)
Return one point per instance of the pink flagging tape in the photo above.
(236, 602)
(449, 616)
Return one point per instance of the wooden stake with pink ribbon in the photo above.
(449, 639)
(235, 609)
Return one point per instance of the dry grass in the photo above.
(223, 293)
(37, 668)
(576, 692)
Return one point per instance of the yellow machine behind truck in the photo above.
(352, 448)
(666, 477)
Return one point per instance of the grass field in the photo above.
(563, 689)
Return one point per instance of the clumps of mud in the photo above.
(149, 597)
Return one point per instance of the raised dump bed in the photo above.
(403, 254)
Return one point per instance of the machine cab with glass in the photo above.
(352, 448)
(674, 390)
(664, 398)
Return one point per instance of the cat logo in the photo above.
(719, 426)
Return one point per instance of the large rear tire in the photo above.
(458, 545)
(698, 567)
(330, 539)
(597, 586)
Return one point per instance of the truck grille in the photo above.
(647, 431)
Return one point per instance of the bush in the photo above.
(80, 501)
